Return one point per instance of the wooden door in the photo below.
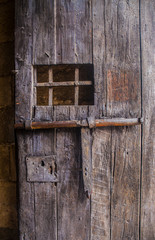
(78, 60)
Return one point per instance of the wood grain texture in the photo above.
(98, 12)
(45, 199)
(26, 190)
(125, 182)
(43, 32)
(73, 205)
(73, 45)
(23, 60)
(73, 31)
(37, 201)
(148, 158)
(100, 198)
(122, 58)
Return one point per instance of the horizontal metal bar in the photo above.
(29, 125)
(60, 84)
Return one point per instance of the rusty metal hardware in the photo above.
(42, 169)
(43, 173)
(89, 122)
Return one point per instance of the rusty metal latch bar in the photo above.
(89, 122)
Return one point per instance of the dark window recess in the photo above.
(65, 84)
(42, 74)
(42, 96)
(63, 73)
(63, 95)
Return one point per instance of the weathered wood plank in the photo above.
(43, 32)
(65, 30)
(122, 63)
(100, 197)
(83, 31)
(73, 31)
(23, 60)
(26, 190)
(73, 205)
(148, 144)
(45, 211)
(125, 182)
(99, 56)
(45, 199)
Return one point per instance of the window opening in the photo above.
(64, 85)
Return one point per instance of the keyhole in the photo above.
(51, 170)
(42, 163)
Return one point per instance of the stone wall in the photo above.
(8, 199)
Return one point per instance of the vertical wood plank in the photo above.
(122, 63)
(73, 205)
(65, 31)
(148, 144)
(83, 31)
(23, 60)
(125, 181)
(43, 32)
(45, 199)
(122, 67)
(74, 45)
(26, 190)
(74, 31)
(45, 211)
(98, 11)
(100, 198)
(101, 149)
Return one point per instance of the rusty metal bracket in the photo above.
(28, 124)
(91, 122)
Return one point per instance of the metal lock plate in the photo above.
(42, 169)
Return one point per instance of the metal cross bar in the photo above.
(30, 125)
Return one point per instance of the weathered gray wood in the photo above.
(148, 157)
(73, 205)
(101, 156)
(45, 198)
(125, 181)
(74, 31)
(23, 60)
(100, 197)
(83, 31)
(26, 190)
(45, 211)
(43, 32)
(116, 50)
(99, 56)
(122, 66)
(86, 151)
(122, 63)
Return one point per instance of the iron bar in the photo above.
(113, 122)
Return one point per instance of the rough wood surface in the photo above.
(43, 32)
(122, 58)
(86, 152)
(148, 157)
(73, 205)
(26, 190)
(45, 205)
(100, 197)
(125, 182)
(23, 60)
